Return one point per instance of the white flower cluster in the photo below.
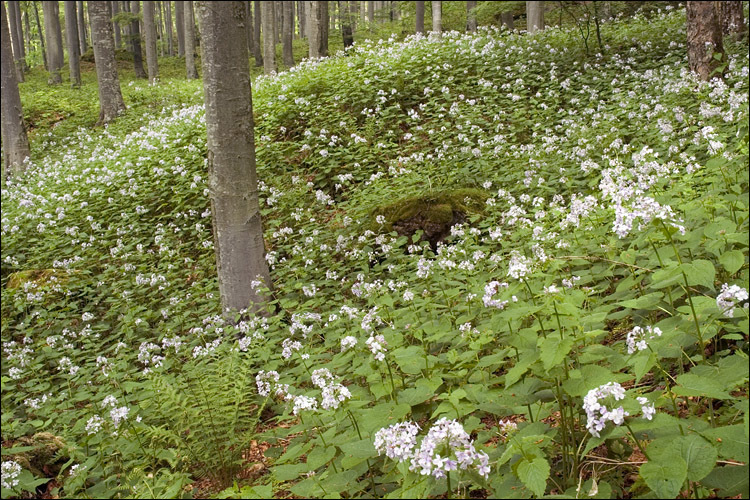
(348, 342)
(377, 345)
(10, 472)
(519, 266)
(727, 300)
(598, 414)
(490, 289)
(261, 380)
(637, 339)
(445, 436)
(333, 393)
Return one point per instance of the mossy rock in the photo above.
(432, 213)
(41, 277)
(45, 459)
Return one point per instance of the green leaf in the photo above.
(732, 261)
(732, 441)
(665, 477)
(410, 359)
(644, 302)
(289, 472)
(699, 454)
(533, 474)
(320, 456)
(700, 272)
(642, 362)
(696, 385)
(553, 351)
(730, 481)
(362, 448)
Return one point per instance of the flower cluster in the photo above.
(10, 472)
(446, 447)
(597, 413)
(637, 339)
(490, 289)
(727, 300)
(377, 345)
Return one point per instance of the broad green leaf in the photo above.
(730, 480)
(732, 260)
(553, 351)
(645, 302)
(731, 440)
(533, 474)
(696, 385)
(665, 477)
(699, 454)
(320, 456)
(700, 272)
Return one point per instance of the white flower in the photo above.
(10, 471)
(727, 300)
(637, 339)
(348, 342)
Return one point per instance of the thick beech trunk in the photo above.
(419, 17)
(703, 38)
(534, 16)
(269, 45)
(110, 97)
(53, 34)
(346, 24)
(287, 33)
(149, 26)
(135, 34)
(189, 28)
(302, 16)
(437, 17)
(179, 15)
(318, 29)
(471, 17)
(71, 39)
(16, 35)
(15, 142)
(237, 224)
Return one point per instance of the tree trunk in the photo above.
(41, 36)
(110, 97)
(160, 27)
(371, 11)
(179, 16)
(53, 34)
(82, 43)
(237, 224)
(471, 17)
(190, 69)
(302, 14)
(287, 32)
(732, 18)
(534, 16)
(118, 33)
(419, 17)
(269, 47)
(71, 38)
(135, 33)
(346, 24)
(249, 25)
(27, 34)
(318, 27)
(703, 38)
(16, 40)
(168, 26)
(437, 17)
(507, 19)
(257, 22)
(15, 142)
(149, 27)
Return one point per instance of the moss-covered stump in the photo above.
(46, 457)
(432, 213)
(40, 277)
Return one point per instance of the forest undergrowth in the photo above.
(577, 328)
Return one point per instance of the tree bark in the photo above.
(419, 17)
(149, 27)
(471, 17)
(179, 16)
(318, 29)
(16, 37)
(287, 32)
(732, 17)
(346, 24)
(534, 16)
(704, 38)
(168, 26)
(257, 45)
(189, 20)
(53, 34)
(41, 36)
(15, 142)
(235, 209)
(118, 33)
(269, 45)
(437, 17)
(135, 34)
(249, 25)
(302, 14)
(507, 19)
(82, 39)
(110, 97)
(71, 38)
(371, 11)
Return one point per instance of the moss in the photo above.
(46, 458)
(39, 276)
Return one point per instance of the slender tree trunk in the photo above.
(419, 17)
(27, 34)
(110, 97)
(437, 17)
(82, 44)
(179, 16)
(277, 22)
(160, 27)
(534, 16)
(257, 42)
(704, 38)
(149, 27)
(71, 38)
(287, 33)
(302, 14)
(269, 47)
(371, 11)
(41, 36)
(53, 33)
(732, 18)
(249, 25)
(237, 224)
(16, 38)
(168, 20)
(118, 33)
(507, 19)
(346, 24)
(471, 17)
(15, 142)
(190, 69)
(135, 33)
